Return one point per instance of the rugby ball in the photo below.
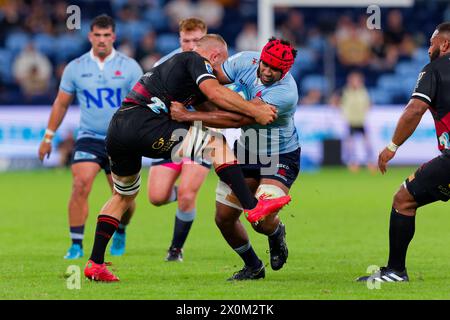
(238, 88)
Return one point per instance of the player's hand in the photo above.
(266, 114)
(384, 157)
(44, 149)
(178, 112)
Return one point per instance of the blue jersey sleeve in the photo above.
(135, 73)
(167, 57)
(284, 97)
(68, 79)
(238, 63)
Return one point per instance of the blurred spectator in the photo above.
(396, 34)
(383, 57)
(11, 18)
(210, 12)
(146, 53)
(352, 48)
(178, 10)
(33, 71)
(312, 97)
(247, 39)
(394, 31)
(38, 21)
(355, 104)
(127, 48)
(293, 29)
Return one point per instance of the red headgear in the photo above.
(278, 55)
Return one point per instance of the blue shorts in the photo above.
(283, 167)
(91, 150)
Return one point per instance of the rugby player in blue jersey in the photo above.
(271, 162)
(100, 79)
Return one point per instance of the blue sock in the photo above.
(183, 223)
(77, 235)
(249, 256)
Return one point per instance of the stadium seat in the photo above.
(45, 43)
(315, 81)
(17, 41)
(158, 19)
(6, 60)
(167, 42)
(379, 96)
(69, 46)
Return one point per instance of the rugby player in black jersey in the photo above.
(431, 182)
(143, 127)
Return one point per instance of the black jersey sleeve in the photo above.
(426, 85)
(199, 68)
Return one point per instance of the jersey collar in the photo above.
(101, 64)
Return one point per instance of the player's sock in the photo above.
(183, 223)
(231, 174)
(277, 231)
(121, 228)
(77, 235)
(249, 256)
(106, 226)
(174, 195)
(401, 232)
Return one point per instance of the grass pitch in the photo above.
(337, 226)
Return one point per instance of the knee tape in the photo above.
(127, 189)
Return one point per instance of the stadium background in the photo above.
(35, 44)
(332, 41)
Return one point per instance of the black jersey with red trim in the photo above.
(433, 88)
(177, 79)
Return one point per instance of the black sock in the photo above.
(401, 232)
(121, 228)
(77, 234)
(106, 226)
(182, 227)
(249, 256)
(231, 174)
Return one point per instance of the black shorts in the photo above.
(204, 163)
(357, 129)
(431, 182)
(283, 167)
(135, 132)
(91, 150)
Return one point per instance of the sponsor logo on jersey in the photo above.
(158, 144)
(418, 79)
(209, 68)
(103, 97)
(86, 75)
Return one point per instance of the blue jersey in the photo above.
(167, 57)
(100, 88)
(280, 136)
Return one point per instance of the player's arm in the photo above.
(422, 97)
(406, 126)
(231, 101)
(59, 109)
(221, 76)
(215, 118)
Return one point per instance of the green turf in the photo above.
(337, 225)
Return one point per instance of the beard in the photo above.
(435, 54)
